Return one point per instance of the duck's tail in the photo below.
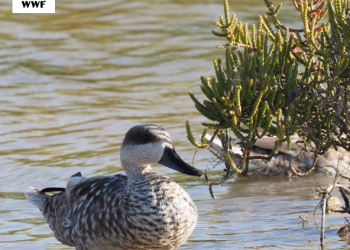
(54, 208)
(37, 197)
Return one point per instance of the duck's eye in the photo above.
(146, 138)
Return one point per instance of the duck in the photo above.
(333, 161)
(143, 209)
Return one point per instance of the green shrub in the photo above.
(279, 81)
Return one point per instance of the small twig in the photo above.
(324, 193)
(314, 216)
(290, 29)
(343, 188)
(309, 171)
(313, 191)
(214, 135)
(303, 220)
(194, 155)
(345, 177)
(214, 183)
(217, 155)
(210, 185)
(324, 197)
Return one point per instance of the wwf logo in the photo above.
(33, 6)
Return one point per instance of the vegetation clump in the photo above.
(280, 81)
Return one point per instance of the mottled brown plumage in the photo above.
(143, 210)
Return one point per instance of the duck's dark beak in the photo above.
(172, 160)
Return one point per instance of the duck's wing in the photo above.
(96, 208)
(86, 208)
(54, 208)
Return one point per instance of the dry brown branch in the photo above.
(324, 193)
(309, 171)
(214, 183)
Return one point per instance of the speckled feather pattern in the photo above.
(55, 208)
(112, 213)
(142, 210)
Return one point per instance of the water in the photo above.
(73, 82)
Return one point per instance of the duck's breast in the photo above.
(161, 212)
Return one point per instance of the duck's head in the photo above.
(149, 144)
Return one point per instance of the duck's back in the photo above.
(97, 212)
(110, 213)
